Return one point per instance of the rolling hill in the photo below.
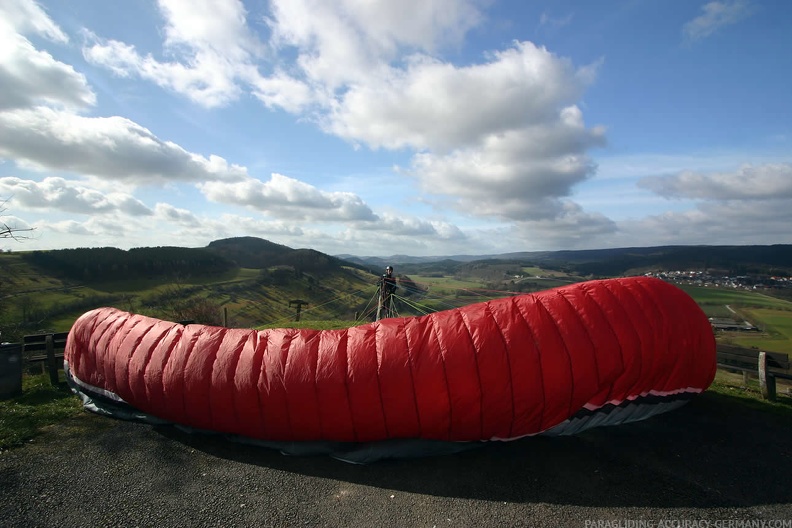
(250, 281)
(243, 282)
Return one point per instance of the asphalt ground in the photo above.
(713, 462)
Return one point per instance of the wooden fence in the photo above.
(46, 349)
(767, 366)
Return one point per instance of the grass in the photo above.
(733, 385)
(23, 417)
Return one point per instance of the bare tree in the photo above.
(7, 231)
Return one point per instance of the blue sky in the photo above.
(419, 127)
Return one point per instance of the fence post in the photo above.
(10, 370)
(51, 362)
(766, 382)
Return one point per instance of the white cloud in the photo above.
(345, 41)
(288, 200)
(116, 231)
(176, 215)
(410, 226)
(26, 16)
(113, 148)
(381, 242)
(236, 224)
(169, 225)
(29, 76)
(229, 225)
(502, 138)
(210, 42)
(213, 54)
(208, 26)
(518, 175)
(62, 195)
(208, 79)
(747, 205)
(716, 15)
(749, 182)
(281, 90)
(731, 222)
(68, 227)
(568, 227)
(434, 104)
(284, 197)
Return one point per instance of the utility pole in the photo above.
(299, 303)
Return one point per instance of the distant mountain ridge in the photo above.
(258, 253)
(616, 261)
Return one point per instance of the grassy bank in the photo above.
(40, 404)
(732, 384)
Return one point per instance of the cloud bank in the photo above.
(495, 145)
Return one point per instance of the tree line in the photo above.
(90, 264)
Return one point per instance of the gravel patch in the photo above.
(713, 459)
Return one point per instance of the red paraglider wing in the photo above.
(495, 370)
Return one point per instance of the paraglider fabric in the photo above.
(555, 362)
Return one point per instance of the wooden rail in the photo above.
(47, 349)
(766, 365)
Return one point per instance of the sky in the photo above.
(376, 128)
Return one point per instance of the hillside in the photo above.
(253, 282)
(248, 281)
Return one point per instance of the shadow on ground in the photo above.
(716, 451)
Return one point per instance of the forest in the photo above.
(108, 263)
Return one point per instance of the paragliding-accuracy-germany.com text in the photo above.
(688, 523)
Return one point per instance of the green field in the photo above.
(538, 279)
(775, 330)
(772, 316)
(541, 272)
(444, 285)
(734, 298)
